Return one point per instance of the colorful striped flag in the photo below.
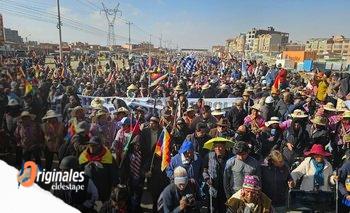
(163, 148)
(71, 130)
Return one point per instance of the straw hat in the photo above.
(224, 87)
(298, 114)
(205, 86)
(218, 111)
(249, 89)
(178, 88)
(13, 102)
(346, 114)
(330, 107)
(101, 113)
(76, 109)
(273, 120)
(132, 87)
(190, 109)
(154, 119)
(319, 120)
(246, 93)
(97, 103)
(269, 100)
(27, 114)
(51, 114)
(122, 109)
(257, 107)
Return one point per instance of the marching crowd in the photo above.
(285, 131)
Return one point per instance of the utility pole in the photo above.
(111, 15)
(59, 26)
(129, 23)
(150, 42)
(160, 41)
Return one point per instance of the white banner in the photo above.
(225, 103)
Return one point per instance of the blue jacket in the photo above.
(194, 169)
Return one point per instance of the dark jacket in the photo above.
(236, 117)
(275, 183)
(104, 177)
(268, 111)
(172, 196)
(343, 172)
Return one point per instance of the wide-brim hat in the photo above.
(330, 107)
(217, 112)
(12, 103)
(246, 93)
(224, 86)
(76, 109)
(190, 109)
(317, 149)
(346, 114)
(154, 119)
(319, 120)
(178, 88)
(97, 103)
(298, 114)
(51, 114)
(205, 86)
(223, 122)
(273, 120)
(256, 107)
(101, 113)
(27, 114)
(132, 87)
(122, 109)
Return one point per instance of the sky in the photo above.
(186, 23)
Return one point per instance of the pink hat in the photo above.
(317, 149)
(251, 182)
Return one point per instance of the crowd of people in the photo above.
(285, 131)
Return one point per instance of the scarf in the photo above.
(318, 176)
(98, 157)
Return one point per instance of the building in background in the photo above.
(236, 44)
(2, 33)
(299, 55)
(295, 47)
(336, 46)
(268, 42)
(12, 36)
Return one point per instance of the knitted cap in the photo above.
(251, 182)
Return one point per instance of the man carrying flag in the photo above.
(156, 179)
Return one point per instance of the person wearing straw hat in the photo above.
(213, 174)
(131, 91)
(189, 115)
(250, 198)
(296, 137)
(247, 101)
(271, 137)
(254, 121)
(222, 129)
(53, 130)
(104, 127)
(218, 113)
(318, 131)
(29, 137)
(315, 171)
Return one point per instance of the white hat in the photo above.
(13, 102)
(269, 100)
(273, 120)
(51, 114)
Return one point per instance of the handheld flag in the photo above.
(163, 148)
